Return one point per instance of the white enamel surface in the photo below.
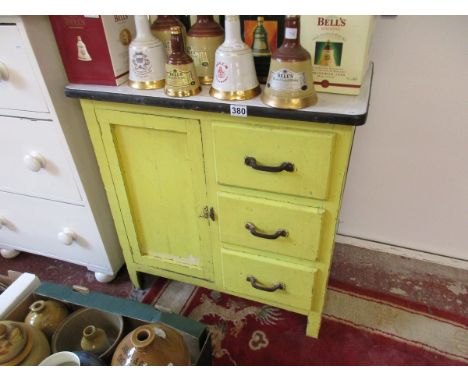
(344, 105)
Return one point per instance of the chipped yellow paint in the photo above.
(162, 168)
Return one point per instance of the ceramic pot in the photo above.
(68, 358)
(203, 39)
(290, 83)
(152, 345)
(22, 344)
(234, 72)
(147, 58)
(94, 340)
(68, 335)
(46, 316)
(161, 29)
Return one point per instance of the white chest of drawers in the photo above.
(52, 200)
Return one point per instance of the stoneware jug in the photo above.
(152, 345)
(203, 38)
(234, 73)
(94, 340)
(290, 83)
(46, 315)
(22, 344)
(147, 58)
(161, 29)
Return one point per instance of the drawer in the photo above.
(297, 280)
(32, 161)
(40, 226)
(19, 88)
(244, 220)
(310, 153)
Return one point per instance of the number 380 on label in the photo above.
(238, 111)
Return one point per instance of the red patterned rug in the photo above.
(357, 329)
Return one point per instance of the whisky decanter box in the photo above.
(94, 49)
(339, 46)
(27, 288)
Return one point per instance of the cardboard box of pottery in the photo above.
(27, 288)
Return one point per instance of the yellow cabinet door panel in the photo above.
(157, 169)
(292, 230)
(243, 273)
(310, 153)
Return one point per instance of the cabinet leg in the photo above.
(313, 324)
(9, 253)
(134, 277)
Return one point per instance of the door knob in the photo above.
(34, 161)
(67, 236)
(4, 75)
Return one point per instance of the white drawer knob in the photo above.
(2, 222)
(67, 236)
(34, 161)
(4, 75)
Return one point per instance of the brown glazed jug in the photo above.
(290, 83)
(203, 39)
(22, 344)
(152, 345)
(46, 315)
(94, 340)
(161, 29)
(181, 77)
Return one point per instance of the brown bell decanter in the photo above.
(161, 29)
(290, 83)
(181, 77)
(203, 39)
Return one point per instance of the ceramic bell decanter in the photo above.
(94, 340)
(203, 38)
(234, 73)
(161, 29)
(46, 316)
(290, 83)
(181, 77)
(147, 58)
(22, 344)
(152, 345)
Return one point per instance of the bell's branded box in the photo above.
(339, 46)
(94, 49)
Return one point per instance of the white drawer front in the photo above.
(33, 162)
(19, 88)
(50, 228)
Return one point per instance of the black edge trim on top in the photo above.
(187, 104)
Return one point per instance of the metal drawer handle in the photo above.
(285, 166)
(253, 281)
(253, 230)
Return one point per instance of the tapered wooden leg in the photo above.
(134, 277)
(313, 324)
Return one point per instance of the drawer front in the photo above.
(297, 280)
(291, 229)
(310, 153)
(19, 88)
(47, 227)
(32, 161)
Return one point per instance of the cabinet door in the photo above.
(159, 179)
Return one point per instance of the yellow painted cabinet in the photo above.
(244, 206)
(158, 173)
